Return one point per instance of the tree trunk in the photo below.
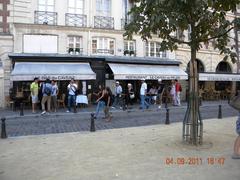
(192, 125)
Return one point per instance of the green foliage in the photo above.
(163, 18)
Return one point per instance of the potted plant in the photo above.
(126, 52)
(131, 53)
(70, 50)
(77, 50)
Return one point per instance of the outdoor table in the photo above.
(81, 99)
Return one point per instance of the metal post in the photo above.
(92, 127)
(166, 104)
(3, 130)
(74, 108)
(167, 117)
(21, 109)
(220, 112)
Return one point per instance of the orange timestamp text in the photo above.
(194, 161)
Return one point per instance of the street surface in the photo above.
(153, 152)
(61, 122)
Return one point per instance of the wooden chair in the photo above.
(9, 102)
(61, 101)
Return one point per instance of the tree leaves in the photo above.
(207, 18)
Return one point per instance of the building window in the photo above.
(102, 45)
(40, 44)
(129, 48)
(103, 7)
(46, 5)
(153, 50)
(75, 45)
(75, 6)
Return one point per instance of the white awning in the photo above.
(218, 77)
(26, 71)
(132, 71)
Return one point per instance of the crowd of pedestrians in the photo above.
(46, 93)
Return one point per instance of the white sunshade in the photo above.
(218, 77)
(27, 71)
(131, 71)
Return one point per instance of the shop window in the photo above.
(153, 50)
(129, 48)
(75, 45)
(103, 46)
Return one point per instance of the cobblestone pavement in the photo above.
(74, 122)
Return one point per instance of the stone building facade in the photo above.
(84, 28)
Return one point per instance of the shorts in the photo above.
(238, 125)
(34, 99)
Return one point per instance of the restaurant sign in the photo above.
(149, 77)
(219, 77)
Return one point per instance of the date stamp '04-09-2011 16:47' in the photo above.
(194, 161)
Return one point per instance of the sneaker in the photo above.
(67, 111)
(159, 107)
(44, 112)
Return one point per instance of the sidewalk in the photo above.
(88, 110)
(126, 153)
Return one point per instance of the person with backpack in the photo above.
(46, 91)
(178, 91)
(72, 91)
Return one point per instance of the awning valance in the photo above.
(26, 71)
(218, 77)
(132, 71)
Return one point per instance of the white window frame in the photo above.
(75, 9)
(151, 50)
(46, 5)
(103, 43)
(100, 8)
(129, 44)
(74, 44)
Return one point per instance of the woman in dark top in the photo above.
(104, 101)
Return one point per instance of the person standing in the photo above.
(108, 101)
(34, 94)
(236, 149)
(54, 95)
(100, 102)
(46, 91)
(173, 92)
(160, 90)
(178, 92)
(143, 93)
(118, 95)
(129, 95)
(72, 90)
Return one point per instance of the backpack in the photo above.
(47, 90)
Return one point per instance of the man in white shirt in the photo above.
(72, 90)
(118, 95)
(143, 92)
